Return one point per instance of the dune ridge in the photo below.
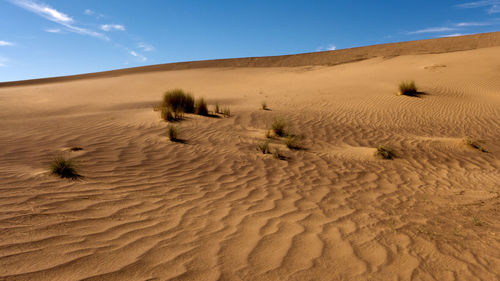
(325, 58)
(215, 208)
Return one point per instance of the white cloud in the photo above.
(53, 15)
(109, 27)
(146, 47)
(53, 30)
(467, 24)
(493, 6)
(43, 10)
(454, 35)
(6, 43)
(329, 47)
(139, 56)
(432, 30)
(91, 13)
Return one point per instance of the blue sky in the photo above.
(60, 37)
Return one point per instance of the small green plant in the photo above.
(408, 88)
(201, 107)
(293, 142)
(173, 133)
(384, 152)
(178, 101)
(264, 147)
(474, 144)
(264, 105)
(226, 112)
(64, 168)
(278, 126)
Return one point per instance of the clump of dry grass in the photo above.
(384, 152)
(408, 88)
(201, 107)
(173, 133)
(178, 101)
(64, 168)
(278, 127)
(264, 147)
(167, 114)
(264, 105)
(226, 112)
(294, 142)
(474, 144)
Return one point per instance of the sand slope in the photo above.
(213, 208)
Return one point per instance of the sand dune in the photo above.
(214, 208)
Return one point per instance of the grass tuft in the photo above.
(226, 112)
(474, 144)
(264, 105)
(217, 108)
(167, 114)
(201, 107)
(264, 147)
(384, 152)
(173, 133)
(278, 126)
(408, 88)
(178, 101)
(64, 168)
(293, 142)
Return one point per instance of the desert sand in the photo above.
(215, 208)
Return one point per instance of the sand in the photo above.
(214, 208)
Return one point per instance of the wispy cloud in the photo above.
(6, 43)
(329, 47)
(109, 27)
(432, 30)
(453, 35)
(53, 30)
(145, 47)
(56, 16)
(492, 6)
(139, 56)
(92, 13)
(468, 24)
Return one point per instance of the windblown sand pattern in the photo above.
(214, 208)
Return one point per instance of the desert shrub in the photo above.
(264, 147)
(200, 107)
(64, 168)
(384, 152)
(264, 105)
(408, 88)
(474, 144)
(278, 126)
(226, 112)
(167, 114)
(293, 142)
(178, 101)
(173, 133)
